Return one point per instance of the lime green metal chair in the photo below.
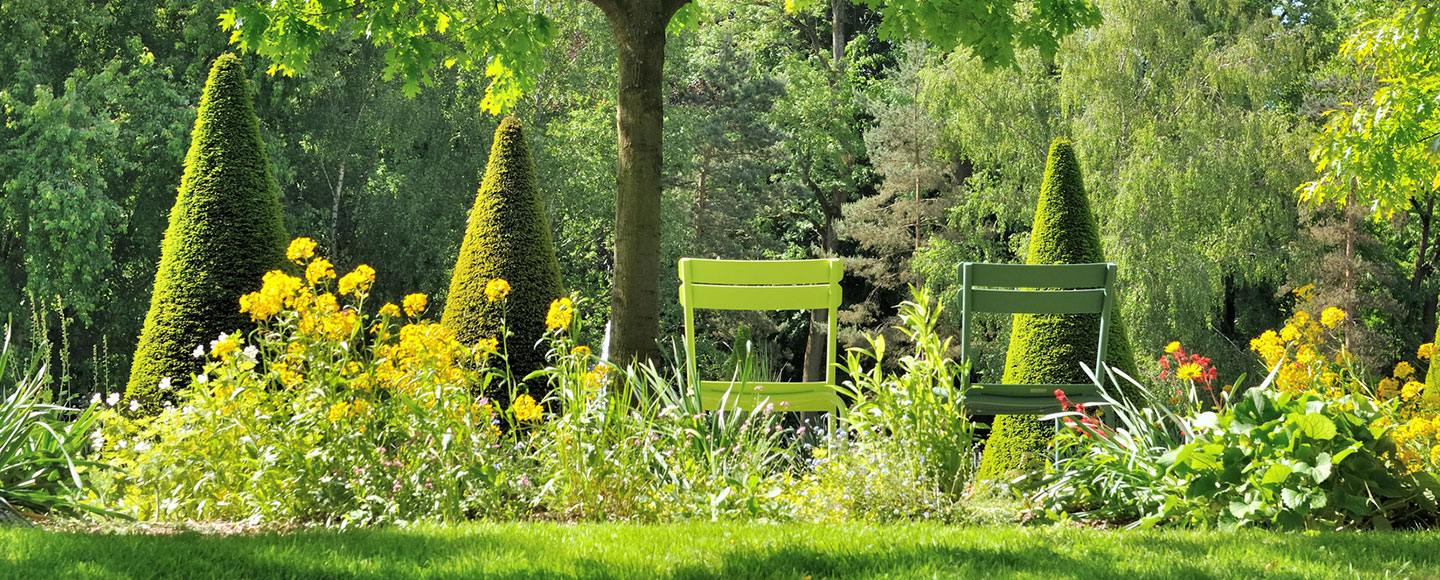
(763, 285)
(1034, 289)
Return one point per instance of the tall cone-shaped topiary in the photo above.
(1049, 348)
(225, 232)
(508, 238)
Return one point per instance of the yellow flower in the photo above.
(1403, 370)
(497, 290)
(561, 310)
(1289, 333)
(1172, 347)
(338, 411)
(1426, 350)
(1411, 389)
(300, 250)
(526, 409)
(1332, 316)
(1189, 371)
(389, 309)
(358, 281)
(326, 303)
(225, 345)
(597, 377)
(487, 346)
(581, 351)
(1306, 293)
(319, 271)
(415, 304)
(1389, 388)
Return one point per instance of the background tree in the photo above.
(506, 38)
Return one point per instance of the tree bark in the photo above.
(639, 29)
(837, 32)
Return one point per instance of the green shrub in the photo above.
(508, 238)
(918, 407)
(225, 232)
(1273, 458)
(1048, 348)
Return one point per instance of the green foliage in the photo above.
(508, 238)
(919, 407)
(225, 232)
(1049, 348)
(991, 29)
(41, 445)
(1273, 458)
(1379, 149)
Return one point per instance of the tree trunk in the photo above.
(837, 32)
(639, 29)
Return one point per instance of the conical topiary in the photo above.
(1432, 376)
(508, 238)
(1049, 348)
(225, 232)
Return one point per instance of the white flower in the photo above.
(134, 405)
(201, 379)
(112, 399)
(186, 410)
(199, 351)
(250, 352)
(216, 342)
(95, 399)
(165, 384)
(142, 447)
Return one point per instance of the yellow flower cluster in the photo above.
(1415, 411)
(561, 311)
(526, 409)
(277, 292)
(597, 377)
(319, 271)
(390, 309)
(497, 289)
(1310, 362)
(415, 304)
(300, 250)
(357, 282)
(424, 349)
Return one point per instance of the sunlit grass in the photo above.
(706, 551)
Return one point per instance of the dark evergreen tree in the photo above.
(1049, 348)
(508, 238)
(225, 232)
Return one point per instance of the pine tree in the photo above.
(508, 238)
(225, 232)
(1049, 348)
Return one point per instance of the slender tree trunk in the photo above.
(837, 32)
(335, 211)
(639, 29)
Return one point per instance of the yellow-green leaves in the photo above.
(506, 39)
(1384, 148)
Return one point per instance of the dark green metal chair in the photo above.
(1034, 289)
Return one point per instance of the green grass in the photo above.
(720, 551)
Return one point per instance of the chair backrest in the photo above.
(763, 285)
(1034, 289)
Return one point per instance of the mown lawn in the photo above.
(720, 551)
